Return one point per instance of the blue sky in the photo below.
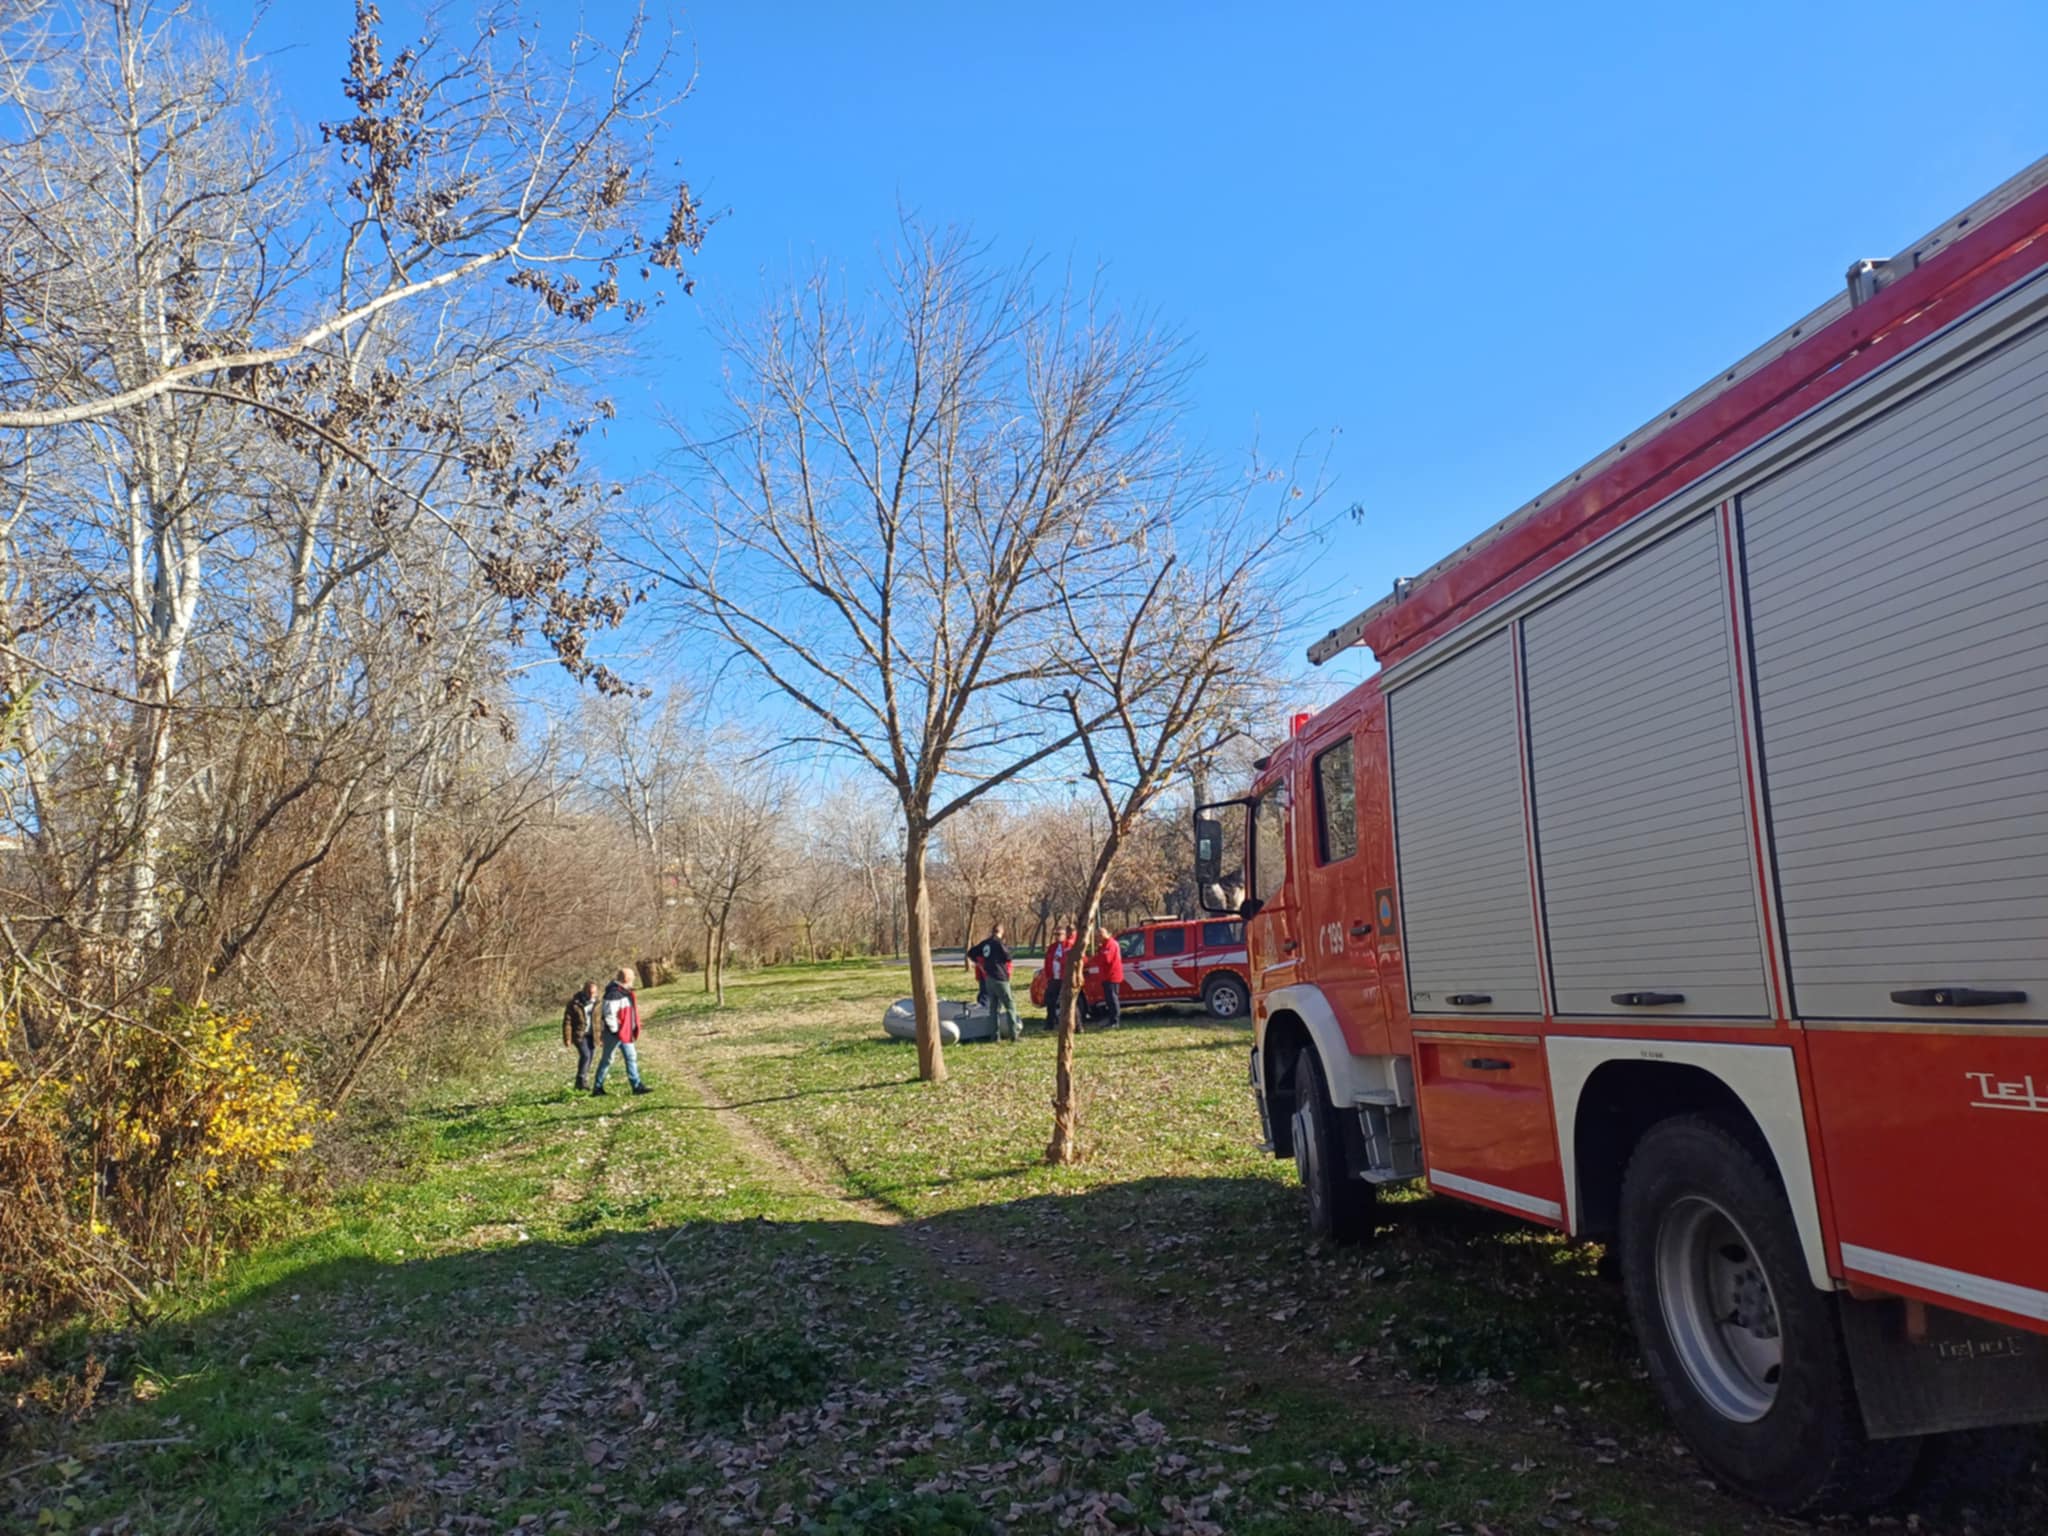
(1479, 242)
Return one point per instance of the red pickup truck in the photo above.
(1175, 960)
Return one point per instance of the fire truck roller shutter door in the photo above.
(1895, 583)
(1460, 836)
(1642, 832)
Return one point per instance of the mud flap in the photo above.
(1960, 1373)
(1266, 1142)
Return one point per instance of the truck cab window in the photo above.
(1169, 941)
(1269, 846)
(1336, 805)
(1220, 935)
(1132, 944)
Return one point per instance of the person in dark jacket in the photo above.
(992, 962)
(579, 1029)
(619, 1013)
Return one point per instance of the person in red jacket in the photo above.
(1059, 959)
(1109, 966)
(620, 1012)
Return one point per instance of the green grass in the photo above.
(820, 1296)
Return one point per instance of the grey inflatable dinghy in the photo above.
(957, 1022)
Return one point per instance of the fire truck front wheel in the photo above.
(1339, 1206)
(1745, 1352)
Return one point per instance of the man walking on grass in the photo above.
(579, 1028)
(620, 1012)
(991, 959)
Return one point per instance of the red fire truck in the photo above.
(1172, 960)
(1681, 878)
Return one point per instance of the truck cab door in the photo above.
(1274, 926)
(1242, 862)
(1339, 917)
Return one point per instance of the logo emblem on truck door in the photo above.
(1383, 904)
(1994, 1092)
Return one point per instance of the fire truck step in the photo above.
(1391, 1146)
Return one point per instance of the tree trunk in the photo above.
(967, 938)
(1066, 1100)
(718, 966)
(708, 930)
(924, 981)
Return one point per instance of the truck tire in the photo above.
(1339, 1206)
(1224, 996)
(1745, 1352)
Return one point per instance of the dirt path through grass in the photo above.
(775, 1166)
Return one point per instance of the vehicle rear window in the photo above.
(1217, 935)
(1169, 941)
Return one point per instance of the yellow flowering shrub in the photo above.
(143, 1147)
(197, 1086)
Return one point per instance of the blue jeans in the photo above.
(624, 1048)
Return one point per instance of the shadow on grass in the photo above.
(479, 1386)
(492, 1383)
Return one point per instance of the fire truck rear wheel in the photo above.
(1223, 996)
(1745, 1352)
(1339, 1206)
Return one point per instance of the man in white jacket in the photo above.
(620, 1012)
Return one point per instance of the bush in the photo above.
(757, 1370)
(138, 1148)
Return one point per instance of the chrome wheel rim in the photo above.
(1223, 1001)
(1719, 1309)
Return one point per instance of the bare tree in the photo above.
(986, 863)
(291, 428)
(1169, 662)
(732, 851)
(875, 526)
(460, 159)
(648, 769)
(227, 509)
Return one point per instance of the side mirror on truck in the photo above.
(1222, 843)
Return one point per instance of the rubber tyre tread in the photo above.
(1809, 1453)
(1209, 990)
(1344, 1213)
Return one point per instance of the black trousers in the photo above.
(1052, 1005)
(1112, 1005)
(585, 1050)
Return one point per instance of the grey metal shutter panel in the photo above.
(1898, 588)
(1458, 825)
(1642, 837)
